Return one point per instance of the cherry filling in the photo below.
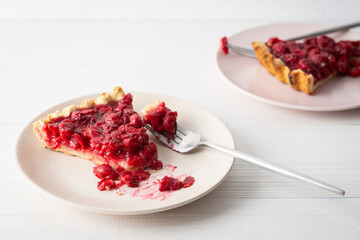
(108, 177)
(133, 178)
(318, 56)
(113, 131)
(172, 184)
(162, 119)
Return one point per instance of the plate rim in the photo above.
(115, 211)
(272, 102)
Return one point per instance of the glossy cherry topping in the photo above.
(105, 171)
(172, 184)
(318, 56)
(113, 131)
(108, 176)
(162, 119)
(133, 178)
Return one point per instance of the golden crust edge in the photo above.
(115, 95)
(297, 79)
(149, 107)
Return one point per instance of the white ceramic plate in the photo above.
(71, 181)
(248, 76)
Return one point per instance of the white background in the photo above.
(169, 47)
(275, 10)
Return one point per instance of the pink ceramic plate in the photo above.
(247, 75)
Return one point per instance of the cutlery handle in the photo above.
(326, 31)
(272, 167)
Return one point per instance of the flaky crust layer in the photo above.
(116, 95)
(297, 79)
(98, 160)
(149, 107)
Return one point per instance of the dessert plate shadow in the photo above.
(247, 75)
(70, 179)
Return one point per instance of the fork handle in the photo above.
(326, 31)
(272, 167)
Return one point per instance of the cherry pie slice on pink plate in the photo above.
(309, 64)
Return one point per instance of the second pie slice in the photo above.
(307, 65)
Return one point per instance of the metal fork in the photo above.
(251, 53)
(186, 140)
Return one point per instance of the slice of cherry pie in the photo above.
(309, 64)
(105, 130)
(160, 118)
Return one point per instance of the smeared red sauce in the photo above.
(114, 179)
(171, 167)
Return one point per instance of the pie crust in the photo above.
(297, 79)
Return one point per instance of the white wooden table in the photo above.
(45, 63)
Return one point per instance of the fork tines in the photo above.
(175, 138)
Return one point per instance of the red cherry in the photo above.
(224, 47)
(279, 47)
(188, 182)
(157, 165)
(290, 58)
(169, 122)
(295, 48)
(106, 184)
(114, 118)
(142, 175)
(150, 152)
(355, 63)
(127, 100)
(354, 71)
(303, 64)
(342, 66)
(272, 41)
(325, 42)
(53, 128)
(310, 41)
(170, 183)
(105, 171)
(128, 178)
(76, 141)
(136, 120)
